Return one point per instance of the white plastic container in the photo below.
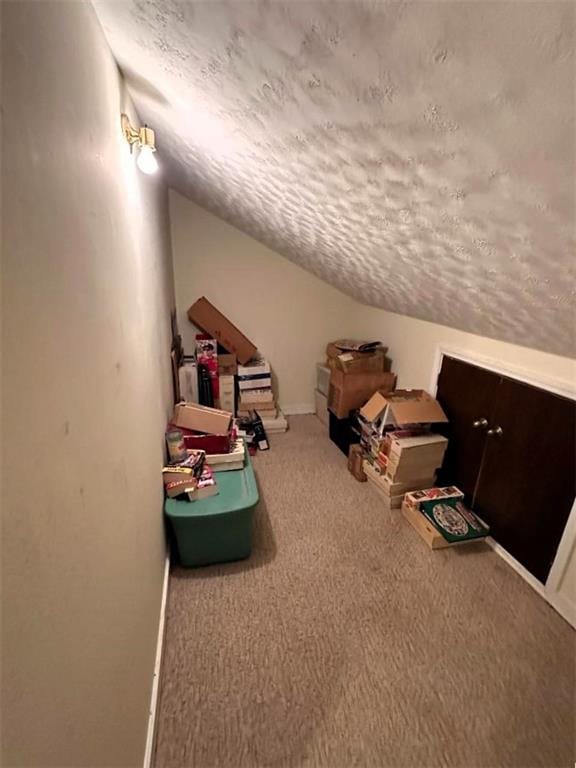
(322, 378)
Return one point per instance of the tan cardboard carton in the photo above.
(227, 393)
(404, 406)
(227, 365)
(350, 390)
(424, 527)
(201, 418)
(393, 489)
(352, 361)
(205, 316)
(403, 472)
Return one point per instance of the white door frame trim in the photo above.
(567, 547)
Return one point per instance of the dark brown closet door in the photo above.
(467, 394)
(528, 480)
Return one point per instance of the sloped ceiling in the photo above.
(417, 155)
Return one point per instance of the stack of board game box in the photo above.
(401, 453)
(226, 462)
(391, 492)
(441, 518)
(255, 390)
(192, 478)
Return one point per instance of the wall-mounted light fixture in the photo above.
(143, 140)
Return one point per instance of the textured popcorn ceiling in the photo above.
(417, 155)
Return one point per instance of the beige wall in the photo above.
(86, 390)
(287, 312)
(413, 345)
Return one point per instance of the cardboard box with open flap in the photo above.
(205, 316)
(349, 390)
(402, 407)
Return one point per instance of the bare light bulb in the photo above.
(146, 160)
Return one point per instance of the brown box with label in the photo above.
(349, 391)
(200, 418)
(205, 316)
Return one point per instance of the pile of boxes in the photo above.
(441, 518)
(388, 436)
(401, 458)
(356, 369)
(401, 454)
(255, 392)
(241, 379)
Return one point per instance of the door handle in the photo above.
(480, 424)
(495, 432)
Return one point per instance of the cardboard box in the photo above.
(415, 498)
(424, 527)
(258, 405)
(264, 414)
(227, 383)
(355, 463)
(257, 367)
(392, 489)
(403, 473)
(257, 382)
(354, 361)
(389, 502)
(201, 418)
(257, 396)
(421, 450)
(227, 394)
(404, 406)
(358, 362)
(350, 390)
(205, 316)
(227, 365)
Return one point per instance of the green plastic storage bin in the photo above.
(217, 529)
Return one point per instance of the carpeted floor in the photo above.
(344, 641)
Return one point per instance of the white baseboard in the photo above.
(558, 601)
(150, 733)
(298, 408)
(564, 607)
